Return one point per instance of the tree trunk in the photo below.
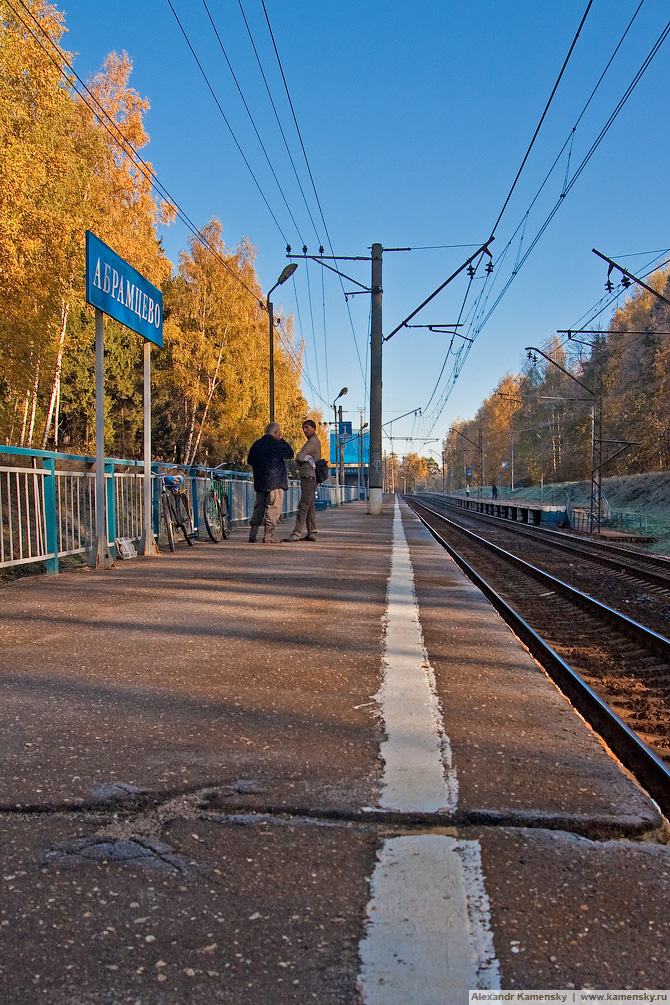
(10, 438)
(34, 404)
(189, 439)
(56, 416)
(55, 388)
(213, 384)
(24, 423)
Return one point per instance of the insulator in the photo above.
(489, 268)
(304, 249)
(320, 249)
(626, 282)
(471, 270)
(608, 286)
(288, 249)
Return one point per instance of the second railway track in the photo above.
(637, 585)
(624, 664)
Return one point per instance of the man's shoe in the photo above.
(292, 538)
(311, 537)
(269, 536)
(253, 534)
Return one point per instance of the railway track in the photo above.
(615, 670)
(637, 585)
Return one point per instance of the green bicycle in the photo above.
(216, 508)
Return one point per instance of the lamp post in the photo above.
(287, 272)
(337, 446)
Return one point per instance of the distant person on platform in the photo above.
(268, 458)
(307, 457)
(494, 490)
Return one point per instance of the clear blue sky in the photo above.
(415, 117)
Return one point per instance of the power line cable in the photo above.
(602, 305)
(281, 129)
(316, 358)
(225, 119)
(309, 171)
(311, 317)
(569, 140)
(129, 150)
(274, 108)
(519, 262)
(251, 118)
(105, 120)
(566, 188)
(323, 316)
(291, 351)
(295, 120)
(542, 117)
(584, 162)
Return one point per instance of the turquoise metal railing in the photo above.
(47, 502)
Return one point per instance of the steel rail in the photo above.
(634, 754)
(648, 637)
(567, 542)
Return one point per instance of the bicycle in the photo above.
(216, 508)
(176, 509)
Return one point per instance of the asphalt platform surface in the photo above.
(191, 748)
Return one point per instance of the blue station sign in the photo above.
(121, 292)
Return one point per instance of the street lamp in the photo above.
(286, 274)
(337, 446)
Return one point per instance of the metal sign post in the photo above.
(148, 544)
(113, 287)
(99, 556)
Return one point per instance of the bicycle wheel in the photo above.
(169, 518)
(184, 518)
(211, 511)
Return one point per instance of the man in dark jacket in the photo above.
(268, 458)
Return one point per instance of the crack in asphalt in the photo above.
(129, 814)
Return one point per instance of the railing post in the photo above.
(110, 495)
(50, 514)
(155, 504)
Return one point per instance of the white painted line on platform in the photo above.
(429, 940)
(428, 936)
(418, 773)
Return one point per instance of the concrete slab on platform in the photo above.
(203, 667)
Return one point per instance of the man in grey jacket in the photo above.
(268, 458)
(307, 457)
